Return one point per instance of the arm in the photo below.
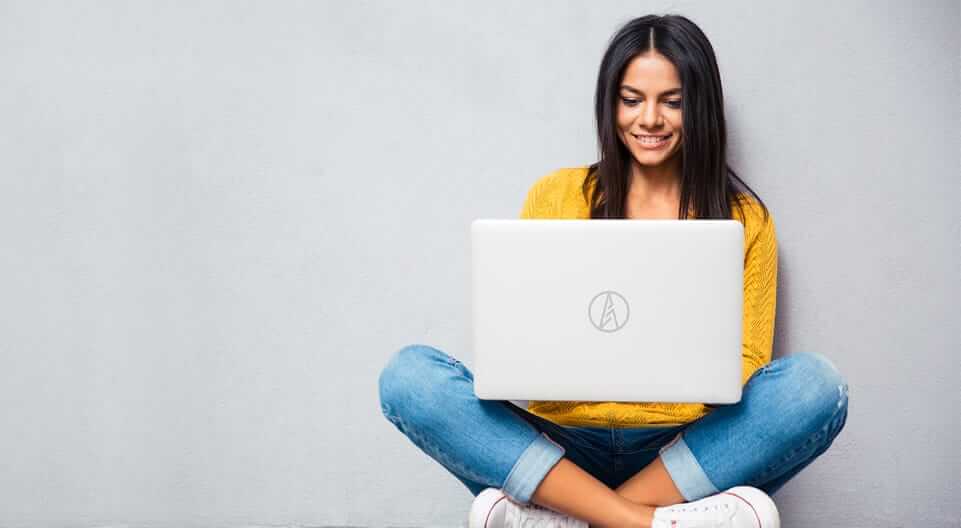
(528, 210)
(760, 296)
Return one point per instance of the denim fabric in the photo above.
(790, 412)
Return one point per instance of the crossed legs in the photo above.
(572, 491)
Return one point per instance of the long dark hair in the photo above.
(708, 184)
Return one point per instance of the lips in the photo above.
(652, 141)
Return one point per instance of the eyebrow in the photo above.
(672, 91)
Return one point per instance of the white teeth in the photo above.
(652, 139)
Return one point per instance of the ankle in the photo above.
(639, 515)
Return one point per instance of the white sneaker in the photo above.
(738, 507)
(493, 509)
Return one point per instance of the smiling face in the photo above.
(649, 109)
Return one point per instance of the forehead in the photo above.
(651, 73)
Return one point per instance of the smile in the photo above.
(652, 142)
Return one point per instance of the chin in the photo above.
(651, 161)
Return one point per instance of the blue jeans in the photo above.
(790, 412)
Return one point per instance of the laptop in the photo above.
(607, 310)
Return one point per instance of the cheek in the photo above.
(627, 113)
(677, 122)
(677, 126)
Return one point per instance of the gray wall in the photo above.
(218, 221)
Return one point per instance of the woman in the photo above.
(661, 129)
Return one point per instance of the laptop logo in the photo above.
(609, 311)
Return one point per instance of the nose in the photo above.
(650, 114)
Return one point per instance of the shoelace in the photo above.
(714, 515)
(534, 516)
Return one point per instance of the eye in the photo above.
(676, 103)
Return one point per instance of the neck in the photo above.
(658, 184)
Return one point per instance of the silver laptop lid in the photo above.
(607, 310)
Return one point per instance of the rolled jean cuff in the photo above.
(531, 468)
(685, 471)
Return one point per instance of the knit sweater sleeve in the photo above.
(527, 210)
(760, 295)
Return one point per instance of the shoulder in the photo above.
(558, 194)
(561, 180)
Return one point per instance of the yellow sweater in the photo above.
(558, 195)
